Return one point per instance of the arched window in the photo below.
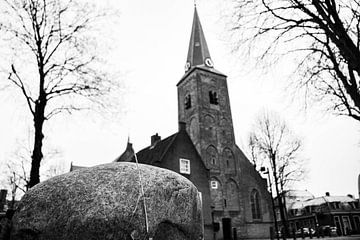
(187, 101)
(212, 157)
(223, 122)
(213, 98)
(255, 204)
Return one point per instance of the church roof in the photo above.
(127, 155)
(155, 152)
(198, 53)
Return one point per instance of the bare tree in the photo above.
(274, 144)
(54, 62)
(323, 36)
(16, 169)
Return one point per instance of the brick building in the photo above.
(307, 211)
(235, 196)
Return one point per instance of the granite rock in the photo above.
(104, 202)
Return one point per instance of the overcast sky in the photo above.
(149, 44)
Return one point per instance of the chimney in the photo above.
(154, 139)
(350, 196)
(182, 126)
(327, 194)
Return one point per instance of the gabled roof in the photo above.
(155, 152)
(321, 200)
(127, 155)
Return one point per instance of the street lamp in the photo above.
(266, 171)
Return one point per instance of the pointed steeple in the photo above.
(198, 54)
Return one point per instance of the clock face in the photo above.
(208, 62)
(187, 66)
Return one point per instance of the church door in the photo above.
(226, 224)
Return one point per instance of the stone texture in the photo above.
(103, 202)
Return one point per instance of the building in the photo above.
(236, 202)
(305, 210)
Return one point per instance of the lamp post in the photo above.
(266, 171)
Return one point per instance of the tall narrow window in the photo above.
(188, 102)
(213, 98)
(255, 205)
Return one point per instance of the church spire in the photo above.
(198, 54)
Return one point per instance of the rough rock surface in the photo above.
(103, 202)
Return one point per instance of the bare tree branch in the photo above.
(324, 36)
(57, 39)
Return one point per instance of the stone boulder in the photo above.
(104, 202)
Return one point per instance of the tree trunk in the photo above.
(279, 197)
(37, 154)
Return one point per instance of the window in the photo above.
(214, 184)
(213, 98)
(357, 222)
(188, 101)
(212, 156)
(255, 204)
(184, 166)
(347, 225)
(336, 205)
(338, 224)
(213, 161)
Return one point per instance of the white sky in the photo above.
(149, 45)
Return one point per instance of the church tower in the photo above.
(203, 104)
(240, 201)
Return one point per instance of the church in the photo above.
(236, 202)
